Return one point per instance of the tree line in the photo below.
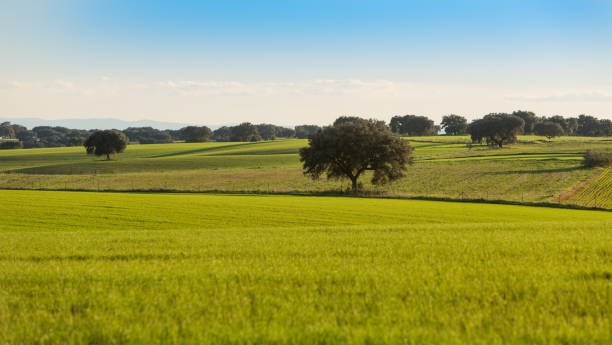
(583, 125)
(494, 129)
(17, 136)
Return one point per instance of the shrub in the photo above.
(594, 158)
(11, 144)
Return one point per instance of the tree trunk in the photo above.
(108, 156)
(354, 181)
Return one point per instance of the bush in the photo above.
(597, 159)
(10, 144)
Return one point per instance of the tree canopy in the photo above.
(497, 129)
(7, 131)
(303, 131)
(548, 129)
(412, 125)
(454, 124)
(529, 118)
(350, 148)
(347, 119)
(196, 134)
(147, 135)
(270, 132)
(591, 126)
(245, 131)
(106, 143)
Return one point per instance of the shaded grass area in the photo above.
(112, 268)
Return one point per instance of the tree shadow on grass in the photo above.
(205, 149)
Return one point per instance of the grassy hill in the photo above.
(534, 170)
(134, 268)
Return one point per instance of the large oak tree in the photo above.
(349, 148)
(496, 129)
(106, 143)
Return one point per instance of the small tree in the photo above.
(496, 129)
(106, 143)
(548, 129)
(349, 148)
(454, 124)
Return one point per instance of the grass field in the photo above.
(534, 170)
(146, 268)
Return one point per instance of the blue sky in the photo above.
(292, 62)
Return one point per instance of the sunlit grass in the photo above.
(112, 268)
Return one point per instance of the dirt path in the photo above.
(580, 185)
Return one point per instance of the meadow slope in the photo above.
(534, 170)
(130, 268)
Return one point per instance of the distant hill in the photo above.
(99, 123)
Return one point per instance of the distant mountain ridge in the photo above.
(97, 123)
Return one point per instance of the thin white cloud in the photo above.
(192, 87)
(310, 87)
(587, 96)
(58, 85)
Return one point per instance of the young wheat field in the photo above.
(228, 243)
(146, 268)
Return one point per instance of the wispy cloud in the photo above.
(310, 87)
(58, 86)
(316, 87)
(587, 96)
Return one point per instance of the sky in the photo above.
(303, 62)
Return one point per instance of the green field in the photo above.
(534, 170)
(147, 268)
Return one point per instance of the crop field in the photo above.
(168, 268)
(597, 192)
(535, 170)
